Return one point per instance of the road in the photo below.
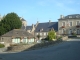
(69, 50)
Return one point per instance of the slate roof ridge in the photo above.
(46, 22)
(72, 14)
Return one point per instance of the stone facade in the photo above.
(6, 39)
(24, 23)
(42, 29)
(69, 24)
(42, 34)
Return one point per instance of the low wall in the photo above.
(31, 46)
(64, 38)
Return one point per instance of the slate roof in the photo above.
(47, 26)
(17, 33)
(72, 16)
(28, 27)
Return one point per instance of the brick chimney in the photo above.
(61, 16)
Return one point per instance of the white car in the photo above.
(39, 41)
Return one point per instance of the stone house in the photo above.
(69, 24)
(17, 36)
(24, 23)
(31, 29)
(42, 29)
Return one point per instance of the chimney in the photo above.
(61, 16)
(37, 22)
(33, 25)
(49, 21)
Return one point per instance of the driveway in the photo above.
(69, 50)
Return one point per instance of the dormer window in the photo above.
(77, 16)
(70, 16)
(41, 29)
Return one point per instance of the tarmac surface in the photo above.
(68, 50)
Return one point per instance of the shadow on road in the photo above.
(68, 50)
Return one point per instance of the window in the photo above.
(70, 31)
(77, 31)
(70, 23)
(63, 23)
(44, 34)
(47, 33)
(77, 16)
(77, 23)
(40, 33)
(36, 33)
(70, 16)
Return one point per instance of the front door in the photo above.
(77, 31)
(70, 31)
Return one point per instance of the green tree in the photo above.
(12, 20)
(9, 22)
(2, 30)
(51, 35)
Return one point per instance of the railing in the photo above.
(77, 26)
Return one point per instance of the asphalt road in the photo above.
(64, 51)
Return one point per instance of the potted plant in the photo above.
(77, 26)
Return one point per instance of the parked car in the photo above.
(39, 41)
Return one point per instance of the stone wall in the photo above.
(3, 49)
(64, 38)
(67, 26)
(31, 46)
(6, 39)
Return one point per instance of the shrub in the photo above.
(59, 38)
(2, 45)
(51, 35)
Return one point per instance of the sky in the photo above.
(40, 10)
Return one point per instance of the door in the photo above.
(77, 31)
(70, 31)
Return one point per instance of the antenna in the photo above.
(37, 19)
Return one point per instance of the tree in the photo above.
(2, 30)
(51, 35)
(9, 22)
(12, 20)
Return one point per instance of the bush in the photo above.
(2, 45)
(59, 38)
(51, 35)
